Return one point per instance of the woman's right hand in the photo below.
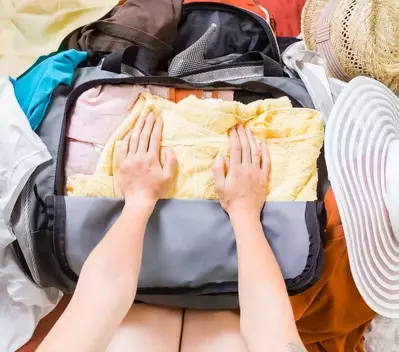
(143, 180)
(242, 190)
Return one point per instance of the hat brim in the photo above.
(311, 13)
(361, 128)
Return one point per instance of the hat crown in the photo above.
(358, 37)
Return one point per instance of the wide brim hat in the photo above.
(357, 38)
(362, 156)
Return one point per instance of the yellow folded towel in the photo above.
(197, 129)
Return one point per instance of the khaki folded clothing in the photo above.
(198, 130)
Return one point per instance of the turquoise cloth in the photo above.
(35, 88)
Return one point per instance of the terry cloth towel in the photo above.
(100, 110)
(198, 131)
(151, 24)
(32, 28)
(35, 88)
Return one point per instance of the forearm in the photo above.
(266, 314)
(116, 261)
(106, 288)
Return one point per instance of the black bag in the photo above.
(220, 39)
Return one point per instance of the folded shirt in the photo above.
(35, 88)
(198, 130)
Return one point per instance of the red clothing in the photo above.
(286, 14)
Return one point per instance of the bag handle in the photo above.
(133, 58)
(270, 66)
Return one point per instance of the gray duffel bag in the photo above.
(190, 257)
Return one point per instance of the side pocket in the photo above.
(315, 219)
(56, 213)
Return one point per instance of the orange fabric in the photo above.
(181, 94)
(250, 5)
(215, 95)
(286, 14)
(331, 316)
(45, 326)
(176, 94)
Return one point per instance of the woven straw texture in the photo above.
(364, 35)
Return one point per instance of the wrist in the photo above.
(142, 207)
(241, 213)
(246, 218)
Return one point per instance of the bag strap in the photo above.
(270, 67)
(309, 66)
(134, 58)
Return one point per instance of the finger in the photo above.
(265, 159)
(155, 141)
(235, 148)
(125, 146)
(245, 147)
(145, 135)
(135, 137)
(170, 164)
(255, 152)
(219, 172)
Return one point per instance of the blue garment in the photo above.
(35, 88)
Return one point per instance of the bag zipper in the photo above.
(155, 80)
(237, 10)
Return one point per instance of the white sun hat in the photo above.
(362, 156)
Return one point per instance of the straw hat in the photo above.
(357, 37)
(361, 150)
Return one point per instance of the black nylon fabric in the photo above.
(235, 33)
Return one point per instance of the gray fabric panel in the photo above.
(187, 243)
(219, 302)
